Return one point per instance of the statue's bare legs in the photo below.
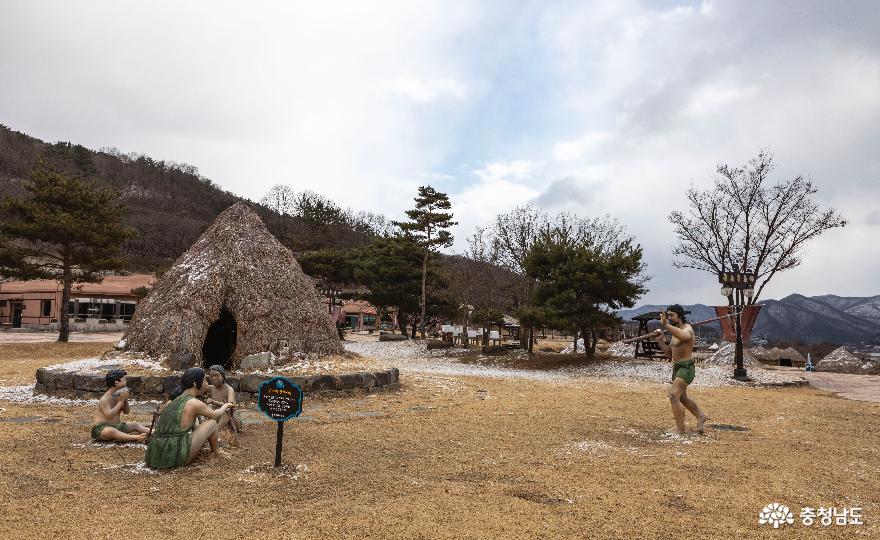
(680, 402)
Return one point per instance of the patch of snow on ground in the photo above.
(413, 357)
(25, 395)
(92, 364)
(134, 468)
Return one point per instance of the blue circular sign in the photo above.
(280, 399)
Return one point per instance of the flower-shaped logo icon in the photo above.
(776, 514)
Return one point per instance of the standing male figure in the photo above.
(680, 349)
(112, 404)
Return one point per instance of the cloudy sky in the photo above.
(593, 107)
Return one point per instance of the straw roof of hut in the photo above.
(841, 360)
(725, 356)
(624, 350)
(760, 352)
(235, 269)
(794, 355)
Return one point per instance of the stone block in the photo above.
(369, 380)
(256, 361)
(350, 380)
(64, 381)
(251, 383)
(300, 381)
(49, 377)
(244, 397)
(92, 383)
(437, 344)
(233, 382)
(152, 386)
(321, 383)
(170, 383)
(135, 384)
(382, 378)
(388, 336)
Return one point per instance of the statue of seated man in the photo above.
(220, 393)
(112, 404)
(177, 439)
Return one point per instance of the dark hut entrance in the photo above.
(220, 341)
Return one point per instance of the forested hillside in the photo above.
(168, 204)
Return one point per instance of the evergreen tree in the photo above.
(582, 279)
(390, 269)
(427, 224)
(331, 268)
(65, 229)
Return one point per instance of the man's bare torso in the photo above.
(682, 349)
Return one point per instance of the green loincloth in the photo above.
(685, 370)
(98, 428)
(169, 445)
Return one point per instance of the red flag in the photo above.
(748, 318)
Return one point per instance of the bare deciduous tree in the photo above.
(742, 222)
(280, 198)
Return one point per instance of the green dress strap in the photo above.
(170, 444)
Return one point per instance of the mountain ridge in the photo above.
(797, 318)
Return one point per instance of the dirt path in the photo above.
(48, 337)
(857, 387)
(457, 456)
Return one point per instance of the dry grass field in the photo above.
(453, 457)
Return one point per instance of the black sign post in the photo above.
(280, 399)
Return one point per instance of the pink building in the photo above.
(37, 303)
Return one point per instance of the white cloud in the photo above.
(613, 106)
(479, 203)
(424, 91)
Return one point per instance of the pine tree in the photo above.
(427, 224)
(65, 229)
(583, 279)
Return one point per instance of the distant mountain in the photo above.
(866, 308)
(797, 318)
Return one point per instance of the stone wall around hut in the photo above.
(90, 385)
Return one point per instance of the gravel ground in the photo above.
(456, 455)
(412, 356)
(49, 337)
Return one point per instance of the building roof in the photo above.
(359, 306)
(111, 286)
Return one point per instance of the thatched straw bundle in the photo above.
(761, 353)
(624, 350)
(237, 265)
(797, 359)
(726, 357)
(843, 361)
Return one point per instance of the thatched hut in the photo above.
(236, 292)
(793, 356)
(726, 357)
(842, 360)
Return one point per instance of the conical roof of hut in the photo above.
(726, 357)
(237, 276)
(759, 352)
(840, 360)
(794, 355)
